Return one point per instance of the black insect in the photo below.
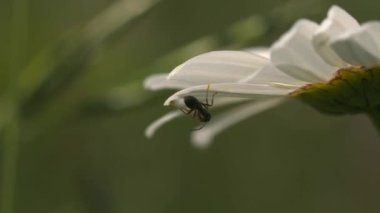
(199, 109)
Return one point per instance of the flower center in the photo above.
(352, 90)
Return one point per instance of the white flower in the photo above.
(307, 56)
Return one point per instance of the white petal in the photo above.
(360, 47)
(230, 90)
(261, 51)
(338, 21)
(218, 67)
(159, 81)
(153, 127)
(202, 138)
(269, 74)
(295, 55)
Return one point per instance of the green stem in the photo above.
(10, 136)
(10, 158)
(375, 117)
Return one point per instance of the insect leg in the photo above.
(195, 113)
(208, 87)
(199, 128)
(206, 105)
(212, 99)
(187, 112)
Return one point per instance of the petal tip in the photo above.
(149, 133)
(201, 140)
(153, 127)
(302, 26)
(334, 9)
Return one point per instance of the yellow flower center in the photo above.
(352, 90)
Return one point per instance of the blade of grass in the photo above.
(57, 67)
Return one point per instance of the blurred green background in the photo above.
(73, 112)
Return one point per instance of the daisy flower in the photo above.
(333, 66)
